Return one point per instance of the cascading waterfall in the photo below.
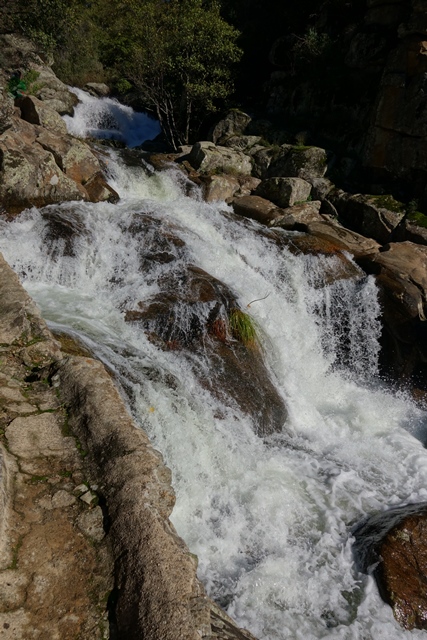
(269, 519)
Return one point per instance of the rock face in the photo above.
(396, 541)
(40, 163)
(372, 216)
(193, 315)
(59, 551)
(401, 272)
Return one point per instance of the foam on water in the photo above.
(270, 520)
(106, 118)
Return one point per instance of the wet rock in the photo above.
(284, 192)
(343, 238)
(192, 315)
(98, 190)
(401, 273)
(394, 546)
(206, 157)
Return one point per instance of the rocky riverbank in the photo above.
(87, 549)
(83, 492)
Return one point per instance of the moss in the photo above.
(418, 218)
(38, 479)
(388, 202)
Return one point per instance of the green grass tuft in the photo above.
(243, 328)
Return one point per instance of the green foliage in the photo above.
(312, 44)
(179, 55)
(242, 327)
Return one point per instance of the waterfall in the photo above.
(269, 518)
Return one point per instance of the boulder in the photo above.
(219, 187)
(206, 157)
(401, 273)
(98, 190)
(284, 192)
(30, 176)
(297, 218)
(73, 156)
(299, 162)
(412, 228)
(395, 544)
(347, 240)
(257, 208)
(261, 160)
(97, 89)
(6, 111)
(52, 91)
(235, 122)
(320, 188)
(194, 315)
(35, 111)
(373, 216)
(242, 143)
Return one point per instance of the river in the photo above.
(269, 518)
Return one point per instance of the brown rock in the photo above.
(35, 111)
(397, 541)
(219, 187)
(401, 273)
(257, 208)
(193, 312)
(343, 238)
(372, 216)
(98, 190)
(297, 218)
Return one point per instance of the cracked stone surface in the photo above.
(55, 575)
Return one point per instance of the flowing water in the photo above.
(270, 519)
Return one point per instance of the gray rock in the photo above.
(97, 89)
(206, 157)
(62, 499)
(235, 122)
(308, 163)
(373, 216)
(35, 111)
(284, 192)
(91, 524)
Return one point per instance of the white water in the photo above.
(269, 520)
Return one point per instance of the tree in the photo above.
(179, 55)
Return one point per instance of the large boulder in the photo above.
(284, 192)
(29, 176)
(299, 162)
(40, 167)
(299, 216)
(401, 273)
(373, 216)
(235, 122)
(341, 237)
(35, 111)
(395, 543)
(194, 315)
(257, 208)
(206, 157)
